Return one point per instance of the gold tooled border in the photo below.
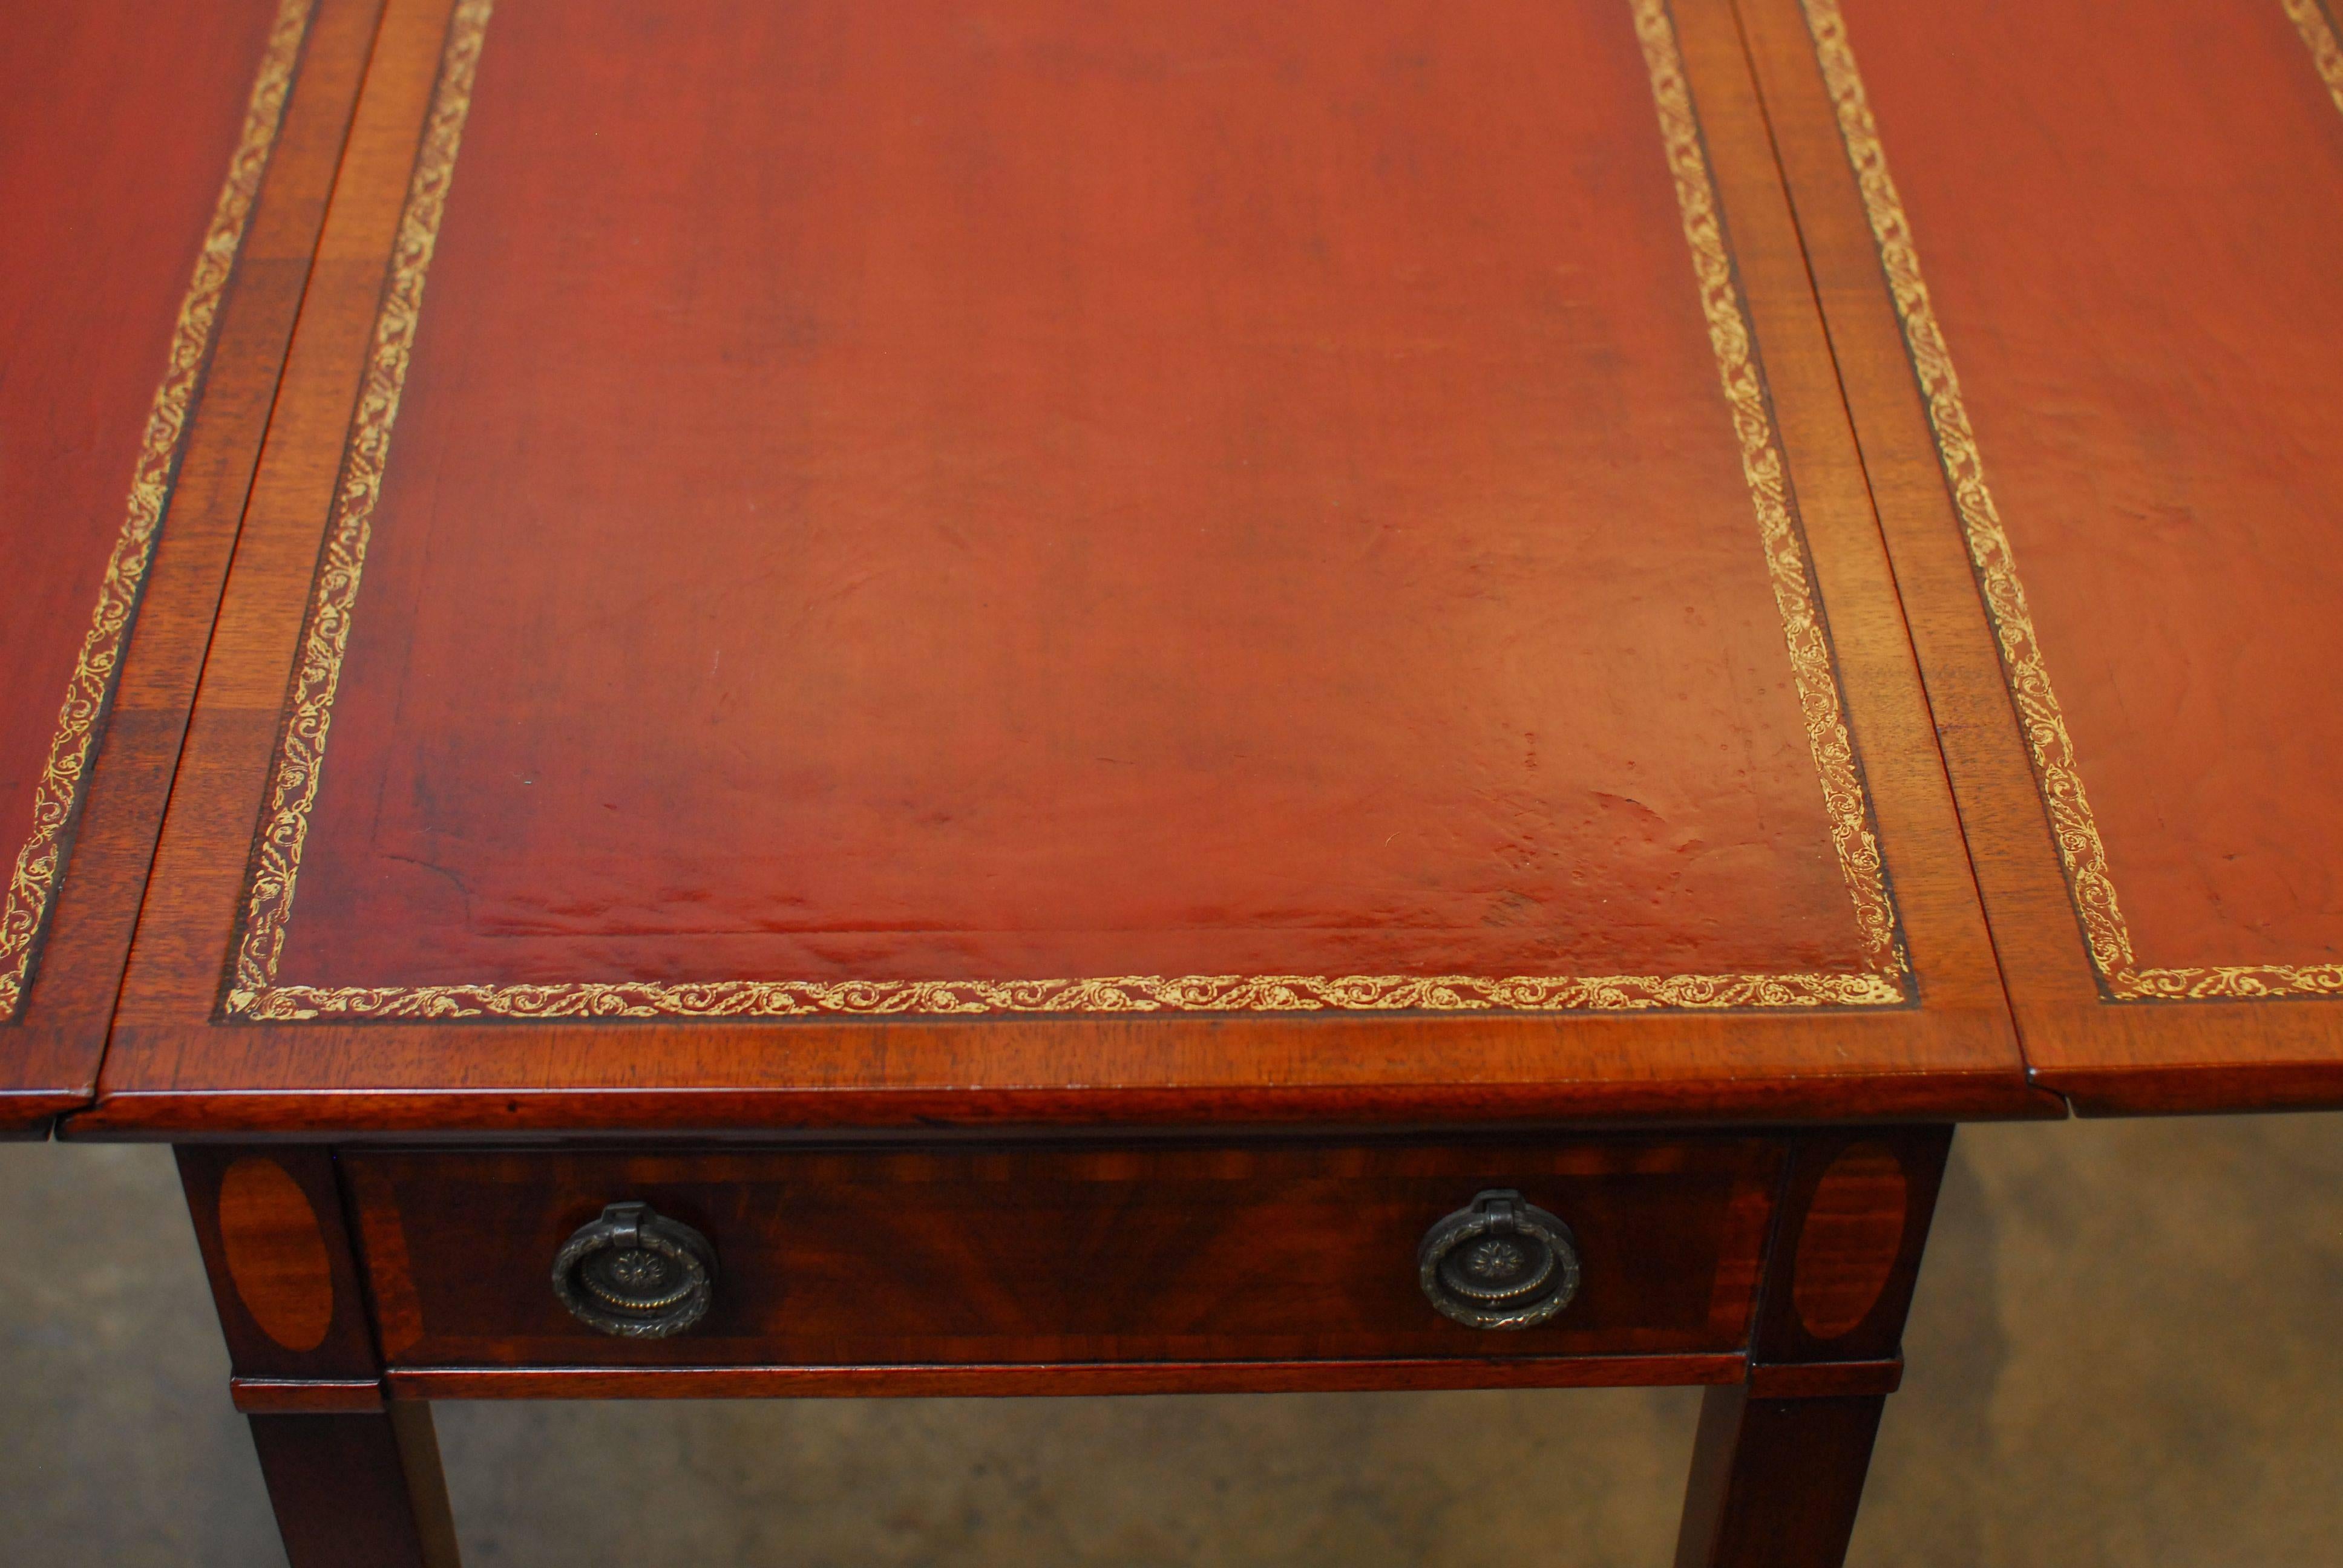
(253, 993)
(1123, 994)
(32, 884)
(2058, 776)
(2310, 19)
(1742, 379)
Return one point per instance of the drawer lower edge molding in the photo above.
(1079, 1377)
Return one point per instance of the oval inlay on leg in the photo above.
(1854, 1229)
(276, 1254)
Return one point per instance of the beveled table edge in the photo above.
(470, 1116)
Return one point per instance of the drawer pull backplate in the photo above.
(636, 1274)
(1500, 1263)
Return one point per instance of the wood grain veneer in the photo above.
(1017, 1257)
(274, 1250)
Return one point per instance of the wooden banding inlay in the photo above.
(276, 1254)
(1854, 1229)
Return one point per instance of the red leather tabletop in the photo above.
(1071, 512)
(1058, 560)
(1045, 562)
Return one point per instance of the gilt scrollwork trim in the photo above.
(1123, 994)
(2318, 29)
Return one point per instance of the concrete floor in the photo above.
(2127, 1351)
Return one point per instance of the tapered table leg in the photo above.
(1778, 1467)
(1775, 1482)
(355, 1479)
(358, 1490)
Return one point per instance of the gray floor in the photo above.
(2128, 1350)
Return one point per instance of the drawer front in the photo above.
(1019, 1255)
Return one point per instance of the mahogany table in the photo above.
(1033, 697)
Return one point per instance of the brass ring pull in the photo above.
(1500, 1263)
(636, 1274)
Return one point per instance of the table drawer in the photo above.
(869, 1257)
